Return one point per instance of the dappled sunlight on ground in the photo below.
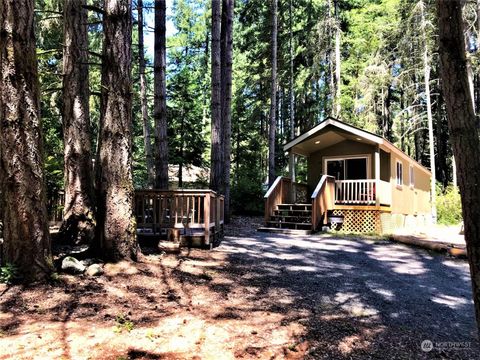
(257, 296)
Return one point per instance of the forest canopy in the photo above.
(381, 86)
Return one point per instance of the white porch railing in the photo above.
(362, 192)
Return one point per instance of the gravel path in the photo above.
(362, 298)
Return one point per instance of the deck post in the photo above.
(206, 216)
(377, 175)
(291, 165)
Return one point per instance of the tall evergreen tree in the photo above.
(273, 96)
(226, 63)
(338, 65)
(160, 97)
(26, 234)
(78, 219)
(116, 230)
(143, 99)
(216, 158)
(431, 140)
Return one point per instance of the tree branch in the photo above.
(93, 53)
(48, 12)
(52, 90)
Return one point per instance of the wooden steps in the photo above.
(290, 219)
(284, 231)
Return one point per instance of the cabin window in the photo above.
(412, 177)
(348, 169)
(399, 173)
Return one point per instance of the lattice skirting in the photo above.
(359, 221)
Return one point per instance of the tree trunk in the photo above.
(431, 140)
(273, 97)
(116, 223)
(78, 220)
(25, 219)
(227, 47)
(216, 166)
(143, 99)
(337, 61)
(160, 97)
(464, 133)
(292, 96)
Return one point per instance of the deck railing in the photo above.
(190, 210)
(384, 193)
(300, 193)
(362, 192)
(278, 193)
(323, 199)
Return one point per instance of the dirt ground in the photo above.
(256, 296)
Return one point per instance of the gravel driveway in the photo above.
(256, 296)
(361, 298)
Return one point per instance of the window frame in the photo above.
(399, 179)
(411, 176)
(326, 159)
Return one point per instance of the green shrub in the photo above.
(8, 273)
(449, 207)
(247, 195)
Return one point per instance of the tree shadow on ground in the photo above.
(255, 296)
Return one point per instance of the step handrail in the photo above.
(323, 199)
(276, 194)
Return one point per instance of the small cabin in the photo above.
(356, 181)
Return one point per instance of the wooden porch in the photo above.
(290, 205)
(197, 215)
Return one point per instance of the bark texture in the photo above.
(464, 130)
(160, 97)
(79, 221)
(216, 166)
(25, 232)
(143, 99)
(116, 222)
(227, 48)
(273, 97)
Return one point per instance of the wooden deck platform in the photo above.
(197, 214)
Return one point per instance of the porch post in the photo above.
(377, 175)
(291, 165)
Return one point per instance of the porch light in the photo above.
(317, 142)
(359, 138)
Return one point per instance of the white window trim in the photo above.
(348, 157)
(400, 186)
